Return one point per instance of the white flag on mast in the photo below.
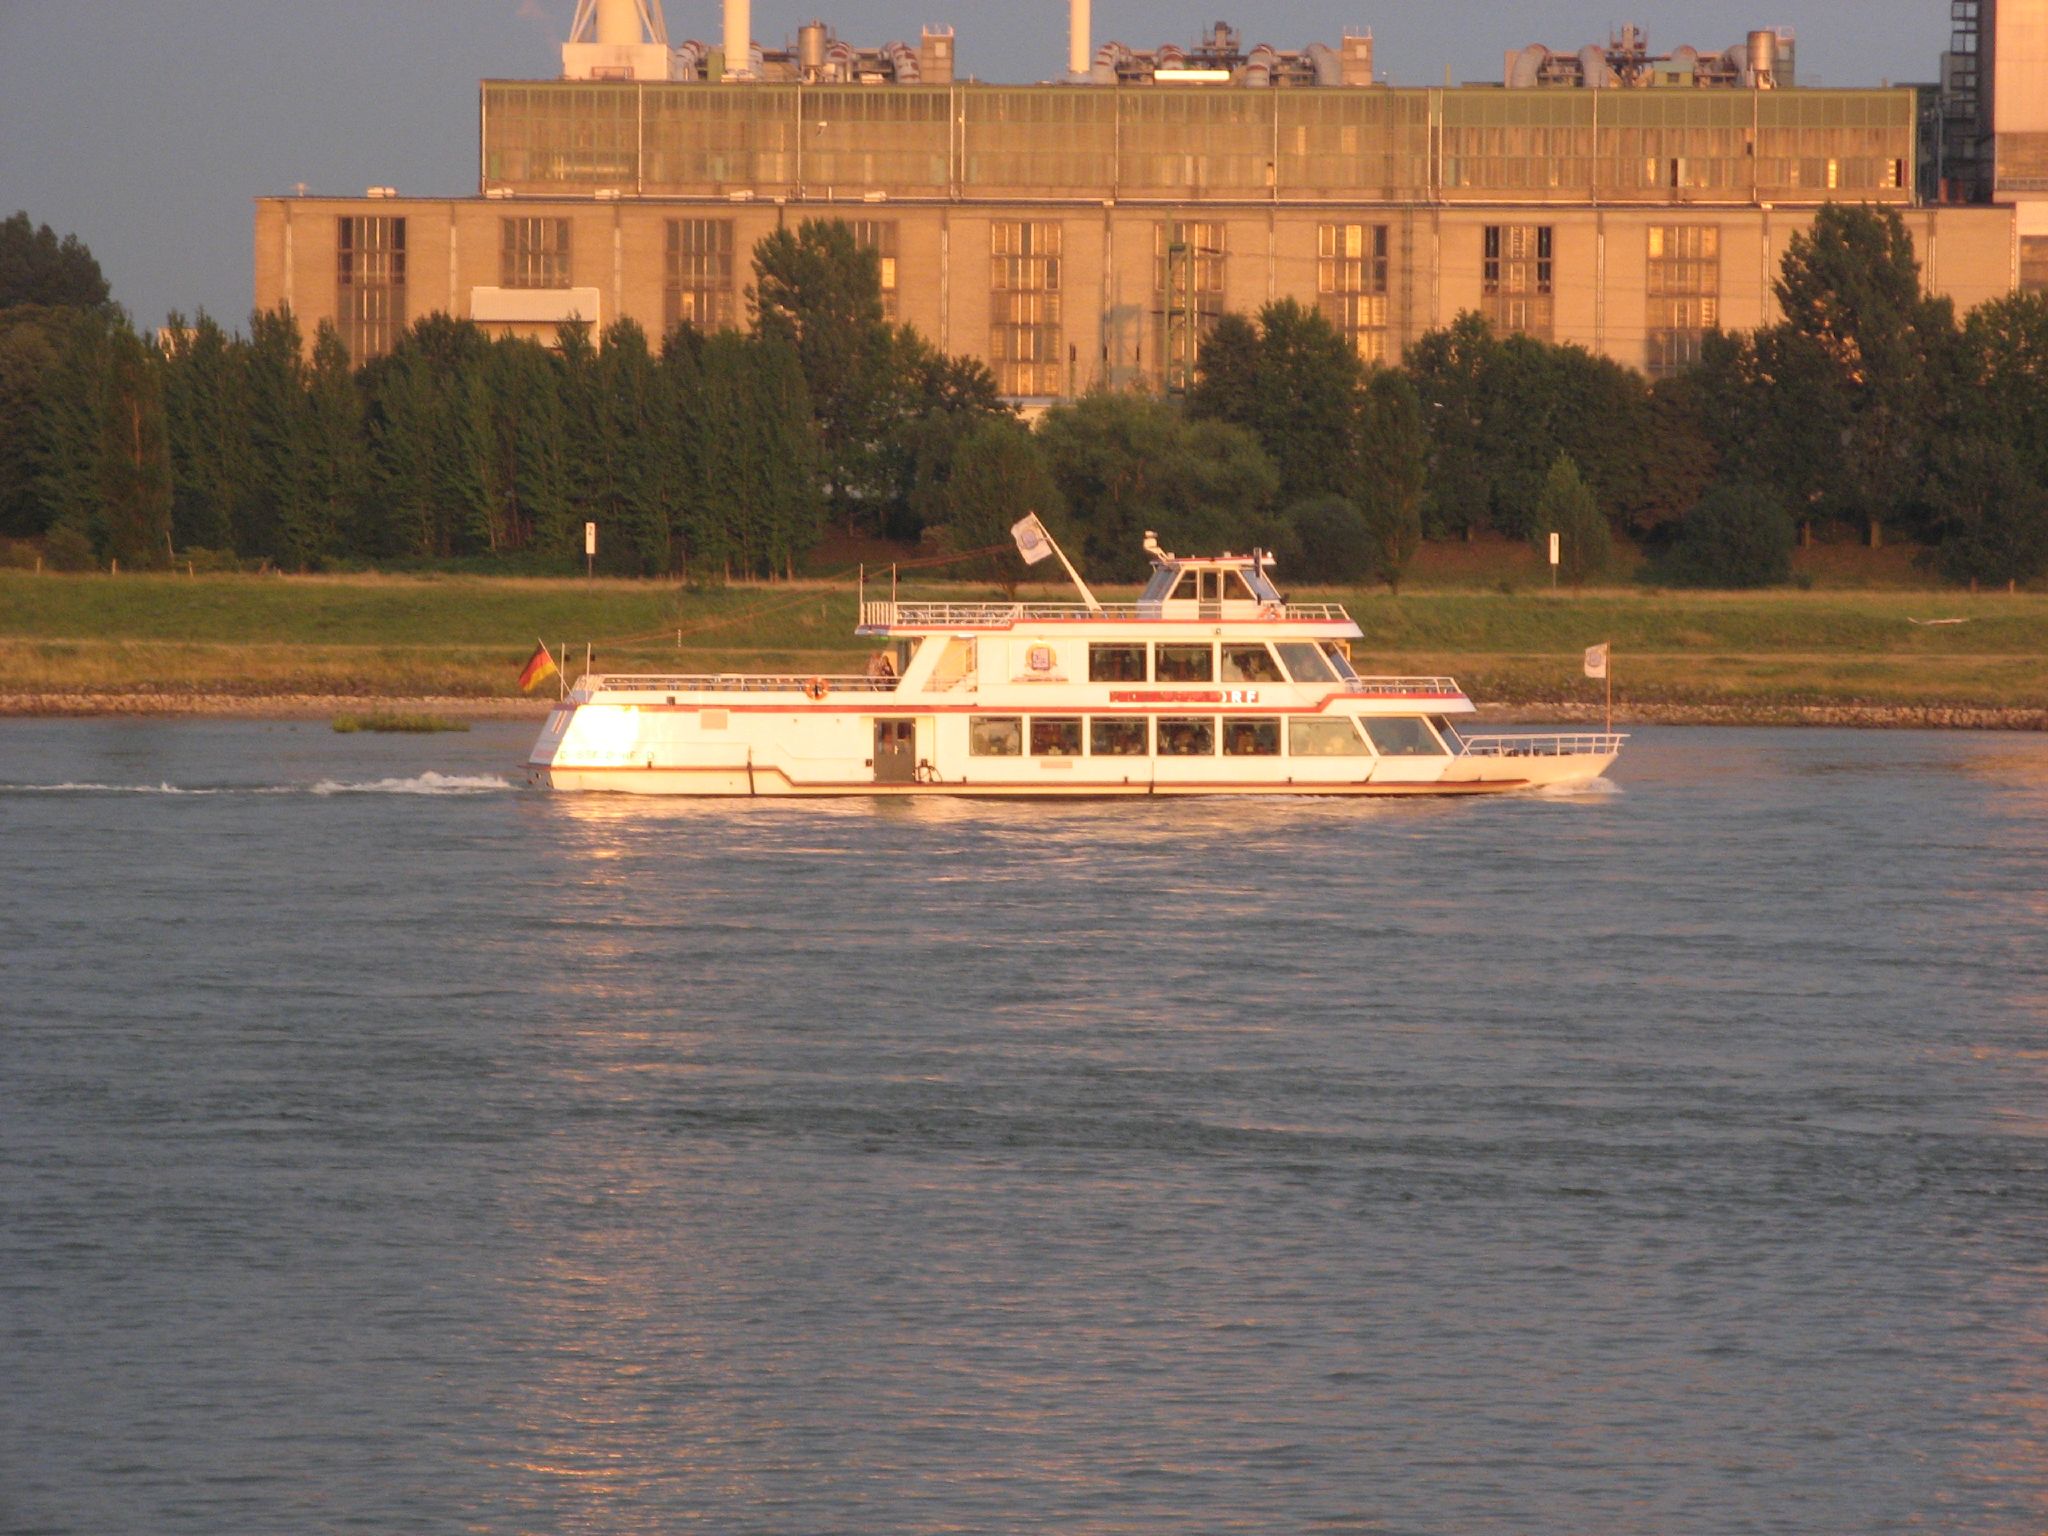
(1596, 660)
(1033, 542)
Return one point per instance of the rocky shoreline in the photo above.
(309, 706)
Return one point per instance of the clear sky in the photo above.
(146, 126)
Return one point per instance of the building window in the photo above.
(533, 253)
(2034, 263)
(879, 236)
(1515, 278)
(1187, 296)
(1025, 334)
(699, 274)
(1684, 299)
(369, 280)
(1351, 284)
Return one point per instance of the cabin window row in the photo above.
(1300, 661)
(1199, 736)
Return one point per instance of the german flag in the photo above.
(539, 668)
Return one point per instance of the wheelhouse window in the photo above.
(1112, 663)
(1184, 663)
(1336, 737)
(1182, 736)
(1306, 662)
(1249, 664)
(1251, 736)
(1055, 735)
(1403, 736)
(996, 736)
(1115, 736)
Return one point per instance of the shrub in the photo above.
(1992, 517)
(1568, 509)
(66, 549)
(1736, 535)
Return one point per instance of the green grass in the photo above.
(378, 637)
(407, 724)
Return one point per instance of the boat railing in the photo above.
(1539, 744)
(1402, 687)
(884, 614)
(736, 682)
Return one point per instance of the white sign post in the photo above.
(1553, 562)
(590, 550)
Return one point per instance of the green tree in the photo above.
(33, 343)
(277, 518)
(1862, 348)
(1128, 463)
(998, 476)
(1333, 540)
(1393, 454)
(2003, 377)
(206, 410)
(1738, 535)
(819, 292)
(1452, 371)
(38, 268)
(1990, 515)
(103, 466)
(336, 472)
(1567, 507)
(1296, 389)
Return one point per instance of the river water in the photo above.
(384, 1147)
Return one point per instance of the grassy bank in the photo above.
(383, 637)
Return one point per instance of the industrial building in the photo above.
(1088, 230)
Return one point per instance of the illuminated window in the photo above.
(369, 280)
(699, 289)
(1515, 278)
(879, 236)
(1684, 297)
(1025, 334)
(2034, 263)
(1351, 284)
(1187, 296)
(533, 253)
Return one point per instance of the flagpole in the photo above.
(1609, 670)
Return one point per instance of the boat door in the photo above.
(1209, 594)
(895, 751)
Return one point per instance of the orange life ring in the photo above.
(816, 688)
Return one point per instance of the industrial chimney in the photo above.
(739, 39)
(1080, 50)
(616, 40)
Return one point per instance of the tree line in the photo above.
(1869, 409)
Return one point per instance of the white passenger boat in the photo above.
(1211, 683)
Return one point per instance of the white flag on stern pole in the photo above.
(1033, 543)
(1596, 660)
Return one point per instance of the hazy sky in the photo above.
(146, 128)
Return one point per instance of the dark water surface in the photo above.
(385, 1148)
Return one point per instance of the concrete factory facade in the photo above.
(1088, 232)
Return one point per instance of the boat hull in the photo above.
(764, 782)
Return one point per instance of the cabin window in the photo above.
(1186, 737)
(1184, 589)
(1306, 662)
(1108, 663)
(1184, 663)
(1339, 654)
(1251, 736)
(1336, 737)
(1452, 740)
(1250, 664)
(1055, 735)
(1115, 736)
(1236, 589)
(1403, 736)
(996, 736)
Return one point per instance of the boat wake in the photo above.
(428, 783)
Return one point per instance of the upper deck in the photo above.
(1213, 589)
